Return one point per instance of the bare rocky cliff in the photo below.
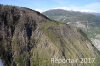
(28, 38)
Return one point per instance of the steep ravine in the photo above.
(28, 38)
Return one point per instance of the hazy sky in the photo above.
(42, 5)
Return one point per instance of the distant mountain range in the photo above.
(73, 16)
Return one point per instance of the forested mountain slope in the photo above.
(28, 38)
